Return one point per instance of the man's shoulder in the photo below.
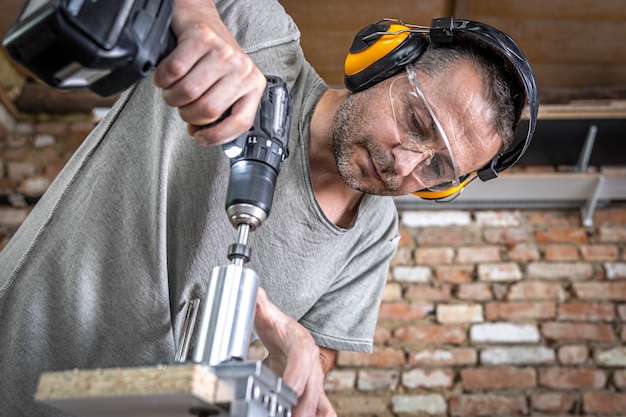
(257, 24)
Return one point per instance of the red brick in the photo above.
(475, 292)
(378, 380)
(573, 354)
(561, 253)
(402, 256)
(571, 271)
(519, 311)
(52, 128)
(392, 292)
(74, 139)
(12, 217)
(501, 377)
(587, 312)
(488, 405)
(406, 239)
(590, 332)
(610, 216)
(82, 126)
(604, 402)
(612, 234)
(350, 404)
(434, 256)
(459, 313)
(599, 252)
(619, 379)
(499, 272)
(431, 334)
(535, 290)
(556, 402)
(52, 170)
(506, 235)
(419, 292)
(604, 291)
(381, 335)
(379, 358)
(572, 378)
(4, 240)
(19, 171)
(404, 311)
(524, 253)
(478, 254)
(562, 235)
(18, 140)
(15, 154)
(6, 184)
(455, 274)
(552, 218)
(340, 380)
(34, 186)
(443, 236)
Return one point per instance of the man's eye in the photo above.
(436, 166)
(415, 123)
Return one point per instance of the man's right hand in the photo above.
(208, 73)
(294, 355)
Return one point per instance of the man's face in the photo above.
(385, 146)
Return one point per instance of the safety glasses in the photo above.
(419, 131)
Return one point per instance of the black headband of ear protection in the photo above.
(442, 30)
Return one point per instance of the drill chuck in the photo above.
(261, 152)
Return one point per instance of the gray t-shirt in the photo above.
(100, 272)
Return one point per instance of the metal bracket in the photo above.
(249, 389)
(585, 154)
(589, 208)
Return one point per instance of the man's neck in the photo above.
(339, 202)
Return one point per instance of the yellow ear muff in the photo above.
(358, 61)
(452, 191)
(378, 51)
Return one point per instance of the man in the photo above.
(100, 273)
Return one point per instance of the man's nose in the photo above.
(406, 161)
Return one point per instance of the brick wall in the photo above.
(485, 312)
(31, 155)
(496, 313)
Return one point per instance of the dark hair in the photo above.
(505, 92)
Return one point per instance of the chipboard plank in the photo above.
(170, 391)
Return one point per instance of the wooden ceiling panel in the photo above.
(328, 26)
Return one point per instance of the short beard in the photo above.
(345, 135)
(341, 132)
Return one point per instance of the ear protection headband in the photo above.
(383, 48)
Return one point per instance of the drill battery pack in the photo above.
(103, 45)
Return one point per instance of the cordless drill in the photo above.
(109, 45)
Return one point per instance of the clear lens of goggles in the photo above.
(419, 131)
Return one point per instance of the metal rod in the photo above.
(585, 154)
(589, 208)
(188, 330)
